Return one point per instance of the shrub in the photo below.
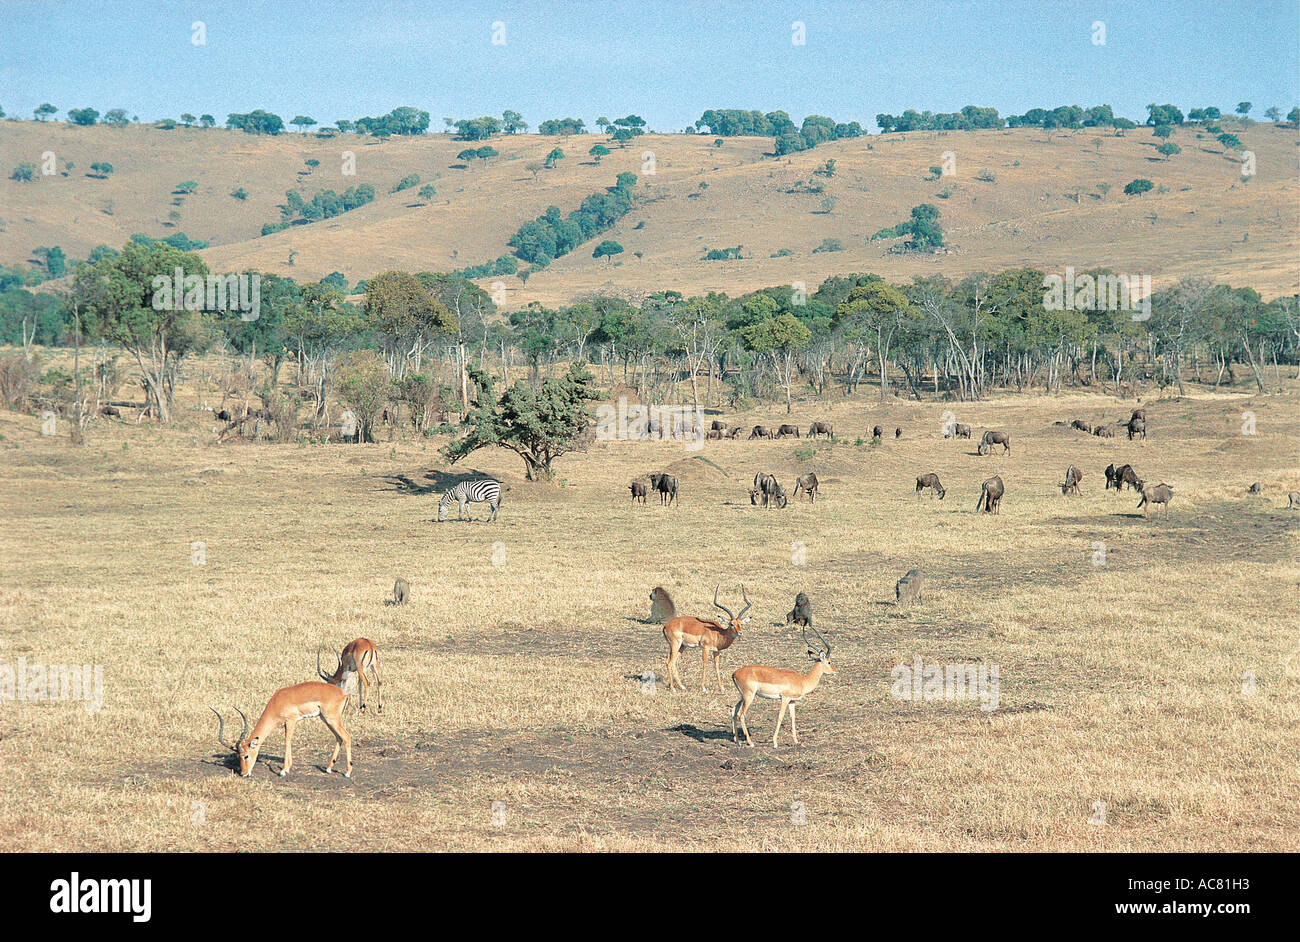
(25, 172)
(1138, 187)
(829, 245)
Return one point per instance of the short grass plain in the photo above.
(1154, 692)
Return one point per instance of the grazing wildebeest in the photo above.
(1081, 425)
(666, 485)
(821, 428)
(898, 433)
(801, 614)
(662, 609)
(760, 431)
(931, 481)
(1103, 431)
(719, 426)
(785, 430)
(908, 589)
(639, 491)
(1126, 475)
(111, 412)
(807, 483)
(961, 431)
(990, 500)
(877, 432)
(1160, 495)
(766, 486)
(1072, 478)
(1112, 477)
(995, 438)
(1293, 500)
(401, 592)
(1255, 488)
(733, 432)
(1137, 427)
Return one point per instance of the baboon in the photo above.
(1293, 500)
(1140, 414)
(1160, 495)
(931, 481)
(807, 483)
(821, 428)
(785, 430)
(1072, 478)
(908, 589)
(771, 491)
(111, 412)
(995, 438)
(1081, 425)
(1137, 427)
(222, 415)
(990, 500)
(898, 433)
(1102, 431)
(760, 431)
(666, 485)
(1255, 488)
(801, 614)
(662, 609)
(639, 491)
(401, 591)
(962, 431)
(877, 432)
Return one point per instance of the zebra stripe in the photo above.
(471, 492)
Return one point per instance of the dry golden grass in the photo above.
(1208, 223)
(516, 682)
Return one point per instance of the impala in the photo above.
(711, 637)
(285, 708)
(773, 683)
(358, 657)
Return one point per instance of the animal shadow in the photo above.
(701, 735)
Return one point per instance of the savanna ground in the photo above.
(512, 675)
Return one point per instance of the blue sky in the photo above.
(664, 61)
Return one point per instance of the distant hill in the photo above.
(1049, 199)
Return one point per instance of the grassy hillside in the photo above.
(700, 197)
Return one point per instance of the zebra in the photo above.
(467, 492)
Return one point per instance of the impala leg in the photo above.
(704, 671)
(780, 717)
(746, 700)
(673, 679)
(717, 668)
(341, 738)
(288, 747)
(379, 684)
(793, 731)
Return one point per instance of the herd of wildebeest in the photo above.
(327, 697)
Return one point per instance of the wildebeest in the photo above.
(662, 609)
(908, 589)
(807, 483)
(931, 481)
(1137, 427)
(990, 499)
(1081, 425)
(639, 491)
(877, 432)
(767, 486)
(961, 431)
(1158, 494)
(761, 431)
(785, 430)
(666, 485)
(719, 426)
(821, 428)
(733, 432)
(714, 434)
(995, 438)
(1293, 499)
(401, 592)
(1072, 478)
(1103, 431)
(898, 433)
(801, 614)
(1126, 475)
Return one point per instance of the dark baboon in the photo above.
(898, 433)
(401, 592)
(931, 481)
(662, 609)
(908, 589)
(801, 614)
(962, 431)
(110, 412)
(995, 438)
(639, 491)
(222, 415)
(1160, 495)
(807, 483)
(990, 500)
(878, 431)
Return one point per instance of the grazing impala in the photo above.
(711, 637)
(359, 656)
(285, 708)
(773, 683)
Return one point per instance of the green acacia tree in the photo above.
(779, 339)
(539, 425)
(882, 310)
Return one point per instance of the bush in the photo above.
(17, 379)
(1138, 187)
(829, 245)
(240, 194)
(25, 172)
(720, 255)
(408, 181)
